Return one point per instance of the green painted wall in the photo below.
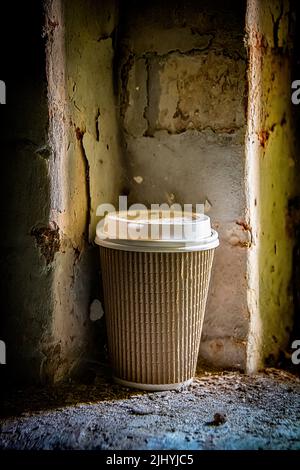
(272, 176)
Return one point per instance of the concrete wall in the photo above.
(182, 69)
(26, 275)
(85, 164)
(272, 173)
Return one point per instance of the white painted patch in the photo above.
(207, 206)
(96, 310)
(138, 179)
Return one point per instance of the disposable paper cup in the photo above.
(155, 294)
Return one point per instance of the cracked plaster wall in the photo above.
(85, 167)
(182, 70)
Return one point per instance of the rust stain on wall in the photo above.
(263, 137)
(246, 228)
(48, 240)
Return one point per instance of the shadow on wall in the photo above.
(26, 280)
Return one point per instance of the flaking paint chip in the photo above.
(96, 310)
(207, 206)
(170, 198)
(138, 179)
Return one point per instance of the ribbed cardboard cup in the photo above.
(155, 295)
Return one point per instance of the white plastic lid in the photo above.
(161, 230)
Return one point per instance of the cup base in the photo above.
(153, 387)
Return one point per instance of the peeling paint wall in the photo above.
(182, 69)
(272, 169)
(86, 164)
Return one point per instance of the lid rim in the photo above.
(157, 245)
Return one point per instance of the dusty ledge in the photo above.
(219, 411)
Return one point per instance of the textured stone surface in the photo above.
(228, 411)
(197, 91)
